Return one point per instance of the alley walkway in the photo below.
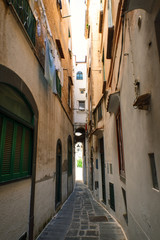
(82, 218)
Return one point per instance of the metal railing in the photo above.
(26, 16)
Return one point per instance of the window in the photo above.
(125, 215)
(153, 171)
(88, 31)
(120, 144)
(95, 119)
(16, 135)
(69, 94)
(58, 84)
(69, 43)
(79, 76)
(99, 112)
(69, 156)
(110, 31)
(59, 4)
(82, 105)
(26, 16)
(60, 50)
(157, 28)
(69, 91)
(110, 22)
(100, 18)
(103, 62)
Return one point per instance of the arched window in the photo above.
(16, 135)
(58, 172)
(79, 76)
(69, 156)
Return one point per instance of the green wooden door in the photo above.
(112, 201)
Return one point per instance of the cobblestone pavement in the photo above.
(82, 218)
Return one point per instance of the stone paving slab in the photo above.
(82, 218)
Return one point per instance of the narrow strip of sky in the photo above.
(78, 24)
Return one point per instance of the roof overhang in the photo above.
(113, 102)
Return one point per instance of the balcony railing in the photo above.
(26, 16)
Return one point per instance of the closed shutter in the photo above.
(17, 157)
(7, 152)
(15, 150)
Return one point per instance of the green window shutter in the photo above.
(15, 150)
(17, 156)
(7, 150)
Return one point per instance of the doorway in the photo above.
(58, 173)
(103, 170)
(92, 168)
(79, 161)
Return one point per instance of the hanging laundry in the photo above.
(50, 69)
(38, 29)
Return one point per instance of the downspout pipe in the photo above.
(32, 198)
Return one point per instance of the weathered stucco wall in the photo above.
(140, 128)
(53, 124)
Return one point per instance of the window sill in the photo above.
(123, 178)
(155, 189)
(14, 180)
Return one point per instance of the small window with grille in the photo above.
(82, 105)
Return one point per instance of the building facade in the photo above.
(123, 119)
(36, 120)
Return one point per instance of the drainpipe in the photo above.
(31, 215)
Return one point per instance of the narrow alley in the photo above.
(82, 218)
(79, 119)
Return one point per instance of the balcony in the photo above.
(25, 14)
